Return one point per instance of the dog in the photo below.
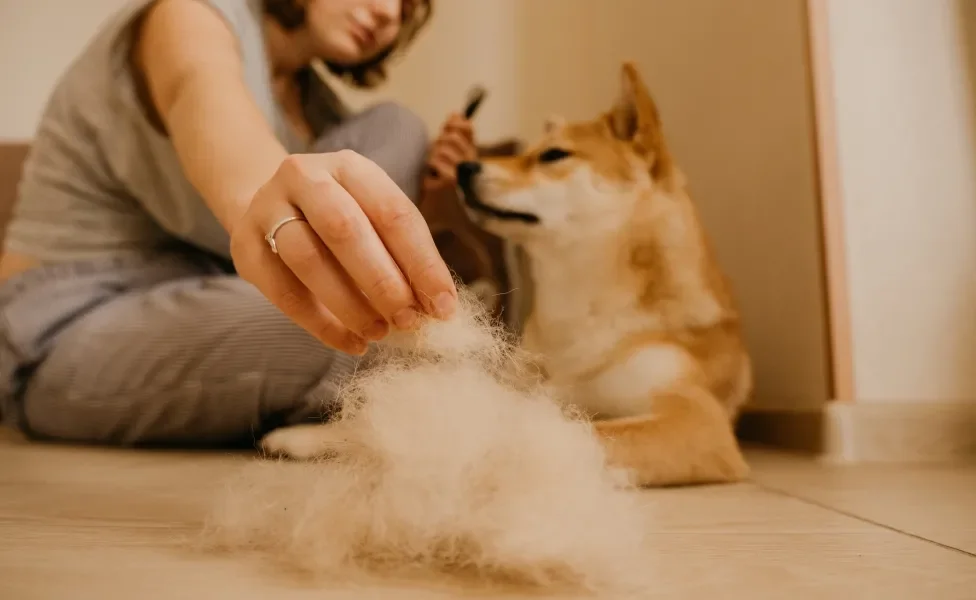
(635, 323)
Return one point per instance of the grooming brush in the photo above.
(476, 96)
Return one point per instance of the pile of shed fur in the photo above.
(456, 459)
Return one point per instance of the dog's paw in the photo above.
(304, 442)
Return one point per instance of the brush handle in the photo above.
(475, 97)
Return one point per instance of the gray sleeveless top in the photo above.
(101, 179)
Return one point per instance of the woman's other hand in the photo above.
(359, 257)
(454, 145)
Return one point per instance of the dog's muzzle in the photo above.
(467, 176)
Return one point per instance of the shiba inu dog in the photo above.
(632, 319)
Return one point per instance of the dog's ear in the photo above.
(634, 118)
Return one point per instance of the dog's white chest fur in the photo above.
(576, 327)
(577, 318)
(627, 388)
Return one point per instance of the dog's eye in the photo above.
(554, 154)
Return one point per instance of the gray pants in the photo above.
(170, 346)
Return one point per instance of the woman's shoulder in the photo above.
(98, 96)
(244, 17)
(106, 56)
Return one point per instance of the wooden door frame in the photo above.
(831, 203)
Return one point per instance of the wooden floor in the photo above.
(90, 523)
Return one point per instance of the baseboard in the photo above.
(870, 432)
(899, 432)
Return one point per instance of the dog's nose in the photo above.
(466, 172)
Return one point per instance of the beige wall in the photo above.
(907, 152)
(38, 38)
(732, 83)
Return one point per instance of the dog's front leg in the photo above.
(686, 439)
(309, 441)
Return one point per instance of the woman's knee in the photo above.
(199, 361)
(404, 127)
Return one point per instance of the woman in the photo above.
(205, 240)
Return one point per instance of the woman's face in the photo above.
(349, 32)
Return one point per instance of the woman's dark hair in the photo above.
(290, 14)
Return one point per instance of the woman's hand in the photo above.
(454, 145)
(359, 258)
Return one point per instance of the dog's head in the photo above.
(579, 179)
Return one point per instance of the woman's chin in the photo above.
(344, 53)
(348, 51)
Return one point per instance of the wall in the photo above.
(732, 82)
(38, 38)
(907, 155)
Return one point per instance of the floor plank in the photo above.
(95, 523)
(935, 502)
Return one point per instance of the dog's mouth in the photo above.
(472, 201)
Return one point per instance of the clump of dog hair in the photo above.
(454, 459)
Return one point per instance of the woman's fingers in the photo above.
(446, 156)
(315, 266)
(343, 227)
(454, 145)
(402, 231)
(446, 168)
(457, 147)
(375, 233)
(458, 124)
(449, 150)
(286, 291)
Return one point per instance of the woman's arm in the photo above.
(360, 257)
(189, 60)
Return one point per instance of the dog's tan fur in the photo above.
(633, 319)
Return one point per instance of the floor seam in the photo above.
(863, 519)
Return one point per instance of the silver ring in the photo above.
(270, 237)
